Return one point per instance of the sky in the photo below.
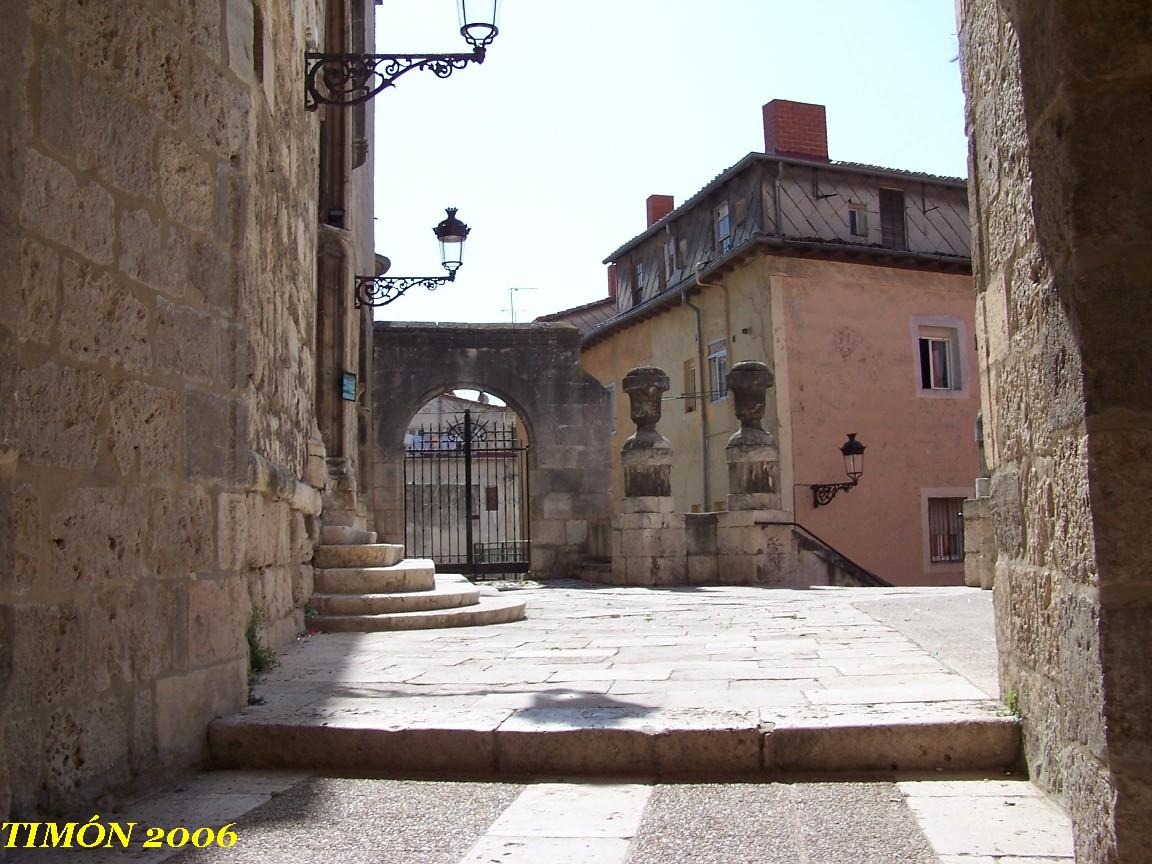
(584, 109)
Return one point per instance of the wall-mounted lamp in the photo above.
(349, 79)
(382, 290)
(853, 452)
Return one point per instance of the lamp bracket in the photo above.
(823, 493)
(382, 290)
(350, 79)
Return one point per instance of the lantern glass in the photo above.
(451, 233)
(853, 452)
(478, 21)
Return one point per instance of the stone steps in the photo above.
(411, 574)
(448, 593)
(488, 609)
(342, 535)
(358, 555)
(365, 586)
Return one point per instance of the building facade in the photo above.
(179, 237)
(852, 283)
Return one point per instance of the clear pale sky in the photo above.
(584, 109)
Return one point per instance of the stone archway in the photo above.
(535, 368)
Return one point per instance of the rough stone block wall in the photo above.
(535, 369)
(1061, 135)
(157, 261)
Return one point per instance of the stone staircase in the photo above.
(365, 586)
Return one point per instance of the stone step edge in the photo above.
(488, 606)
(452, 595)
(514, 748)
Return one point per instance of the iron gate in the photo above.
(466, 497)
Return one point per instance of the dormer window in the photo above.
(722, 227)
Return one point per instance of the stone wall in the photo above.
(1061, 135)
(157, 222)
(535, 369)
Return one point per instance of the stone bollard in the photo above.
(753, 454)
(648, 538)
(647, 455)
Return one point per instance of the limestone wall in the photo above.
(157, 272)
(1058, 97)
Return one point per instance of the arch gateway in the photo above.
(535, 369)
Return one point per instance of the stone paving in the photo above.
(769, 671)
(286, 818)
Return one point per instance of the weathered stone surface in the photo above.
(40, 297)
(145, 429)
(59, 406)
(158, 260)
(103, 321)
(217, 615)
(187, 183)
(99, 536)
(153, 253)
(181, 531)
(79, 215)
(208, 434)
(188, 342)
(120, 153)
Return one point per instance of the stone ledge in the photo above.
(623, 741)
(279, 484)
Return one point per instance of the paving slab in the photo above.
(819, 679)
(290, 818)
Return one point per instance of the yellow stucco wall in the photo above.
(841, 340)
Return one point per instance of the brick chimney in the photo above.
(795, 129)
(612, 281)
(659, 206)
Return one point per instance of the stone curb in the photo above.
(618, 742)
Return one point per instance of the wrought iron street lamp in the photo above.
(382, 290)
(853, 453)
(349, 79)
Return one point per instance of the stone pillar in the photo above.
(979, 538)
(646, 455)
(648, 539)
(753, 454)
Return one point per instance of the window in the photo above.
(893, 232)
(939, 361)
(723, 227)
(669, 259)
(611, 388)
(857, 220)
(945, 530)
(690, 391)
(491, 498)
(637, 282)
(717, 370)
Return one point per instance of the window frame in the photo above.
(958, 494)
(857, 220)
(722, 214)
(691, 394)
(955, 332)
(717, 370)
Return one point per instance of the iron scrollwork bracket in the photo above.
(823, 493)
(382, 290)
(349, 79)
